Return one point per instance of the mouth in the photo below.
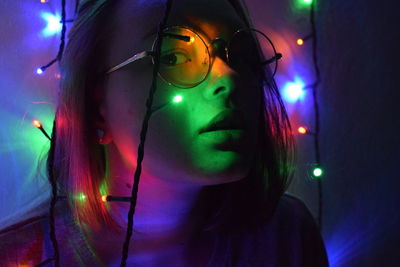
(225, 120)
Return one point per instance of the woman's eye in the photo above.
(174, 58)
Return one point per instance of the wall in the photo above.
(358, 44)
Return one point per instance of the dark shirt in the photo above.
(291, 238)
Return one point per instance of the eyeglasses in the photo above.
(186, 58)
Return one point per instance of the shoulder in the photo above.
(292, 235)
(294, 211)
(23, 243)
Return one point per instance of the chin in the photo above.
(223, 171)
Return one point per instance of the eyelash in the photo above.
(174, 52)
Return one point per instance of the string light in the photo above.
(302, 130)
(300, 41)
(317, 172)
(293, 91)
(53, 24)
(303, 3)
(81, 196)
(117, 199)
(39, 71)
(38, 125)
(54, 198)
(104, 198)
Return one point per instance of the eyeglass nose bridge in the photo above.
(219, 48)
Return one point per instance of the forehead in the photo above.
(211, 17)
(136, 21)
(214, 18)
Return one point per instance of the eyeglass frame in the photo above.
(152, 53)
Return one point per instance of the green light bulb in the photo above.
(177, 99)
(81, 196)
(317, 172)
(301, 4)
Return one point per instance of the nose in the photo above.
(222, 80)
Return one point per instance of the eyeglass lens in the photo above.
(183, 61)
(185, 58)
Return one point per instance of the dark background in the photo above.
(358, 51)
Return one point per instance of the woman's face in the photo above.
(176, 147)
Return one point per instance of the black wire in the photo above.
(63, 30)
(316, 109)
(143, 133)
(44, 67)
(76, 6)
(53, 202)
(52, 179)
(44, 132)
(62, 43)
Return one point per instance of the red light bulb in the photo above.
(302, 130)
(300, 41)
(37, 124)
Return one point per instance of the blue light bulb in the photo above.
(293, 91)
(39, 71)
(53, 26)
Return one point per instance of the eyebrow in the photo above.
(195, 28)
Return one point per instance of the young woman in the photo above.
(216, 164)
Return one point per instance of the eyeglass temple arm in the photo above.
(136, 57)
(146, 53)
(272, 59)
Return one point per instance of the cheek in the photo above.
(173, 149)
(176, 148)
(125, 108)
(168, 138)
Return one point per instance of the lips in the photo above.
(225, 120)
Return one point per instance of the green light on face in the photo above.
(177, 99)
(317, 172)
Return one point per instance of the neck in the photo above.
(164, 212)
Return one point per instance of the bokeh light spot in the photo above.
(293, 91)
(53, 26)
(317, 172)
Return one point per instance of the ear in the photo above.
(104, 136)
